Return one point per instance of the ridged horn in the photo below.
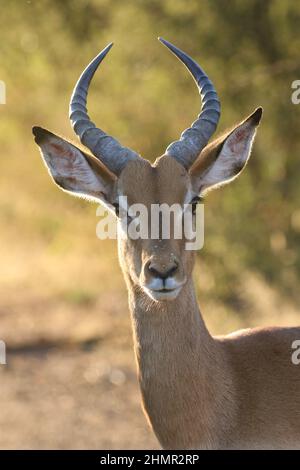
(195, 138)
(103, 146)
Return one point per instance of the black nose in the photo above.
(162, 271)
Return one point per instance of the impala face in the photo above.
(159, 267)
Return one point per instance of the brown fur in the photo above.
(239, 391)
(236, 391)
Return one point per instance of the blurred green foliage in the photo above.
(143, 96)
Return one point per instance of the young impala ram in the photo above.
(198, 391)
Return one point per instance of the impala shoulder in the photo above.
(262, 342)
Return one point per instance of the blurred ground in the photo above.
(72, 399)
(70, 379)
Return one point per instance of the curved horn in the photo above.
(103, 146)
(195, 138)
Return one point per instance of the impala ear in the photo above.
(224, 159)
(73, 170)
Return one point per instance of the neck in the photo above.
(181, 369)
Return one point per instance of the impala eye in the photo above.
(117, 208)
(194, 203)
(117, 211)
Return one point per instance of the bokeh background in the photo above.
(70, 378)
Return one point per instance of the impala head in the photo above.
(189, 168)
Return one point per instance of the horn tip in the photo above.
(108, 47)
(163, 41)
(105, 51)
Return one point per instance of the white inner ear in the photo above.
(233, 157)
(71, 171)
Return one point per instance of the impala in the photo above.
(198, 391)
